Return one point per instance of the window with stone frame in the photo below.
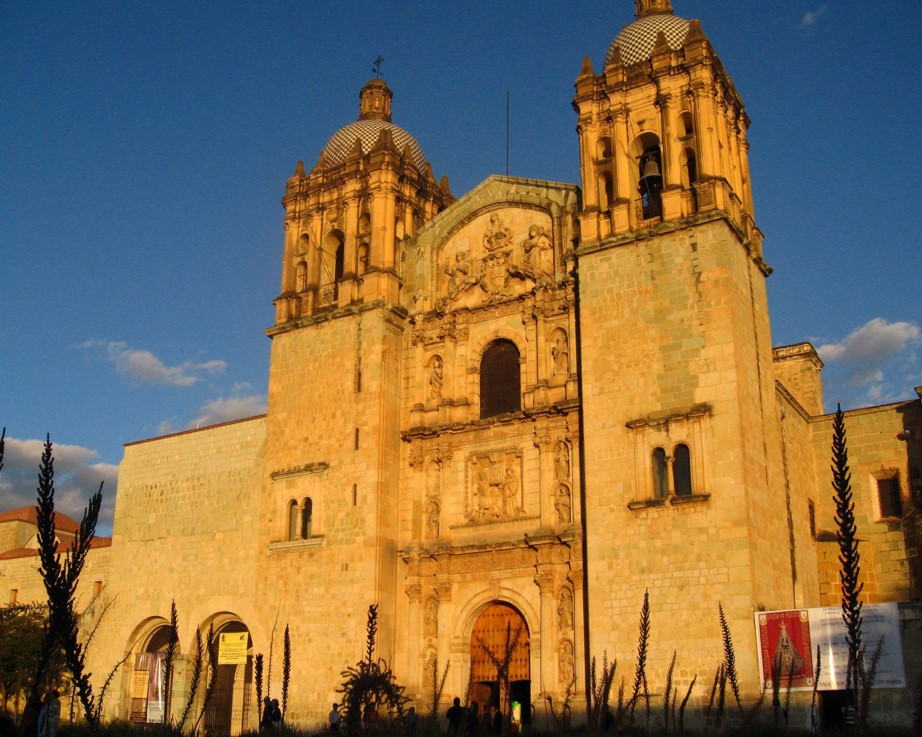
(889, 499)
(681, 470)
(500, 379)
(660, 474)
(299, 519)
(670, 456)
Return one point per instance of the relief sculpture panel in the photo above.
(495, 257)
(495, 487)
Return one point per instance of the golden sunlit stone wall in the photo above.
(186, 513)
(878, 448)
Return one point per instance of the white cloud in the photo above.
(811, 17)
(860, 367)
(877, 342)
(77, 475)
(225, 409)
(144, 367)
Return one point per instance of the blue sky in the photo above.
(146, 148)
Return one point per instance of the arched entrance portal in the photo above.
(147, 697)
(230, 711)
(500, 661)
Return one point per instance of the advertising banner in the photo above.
(788, 642)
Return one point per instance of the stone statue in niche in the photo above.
(565, 667)
(496, 493)
(539, 254)
(562, 461)
(428, 673)
(431, 618)
(433, 511)
(363, 258)
(563, 505)
(436, 377)
(560, 353)
(565, 609)
(497, 235)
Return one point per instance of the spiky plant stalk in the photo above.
(212, 684)
(169, 657)
(867, 678)
(666, 696)
(195, 679)
(684, 703)
(729, 657)
(849, 558)
(258, 676)
(817, 671)
(62, 576)
(640, 672)
(600, 689)
(286, 669)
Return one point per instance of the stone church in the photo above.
(522, 408)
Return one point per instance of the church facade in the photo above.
(519, 410)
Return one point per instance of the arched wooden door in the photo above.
(500, 660)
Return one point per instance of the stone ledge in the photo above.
(311, 542)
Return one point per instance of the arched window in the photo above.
(681, 470)
(660, 476)
(606, 191)
(299, 519)
(500, 382)
(294, 514)
(651, 182)
(307, 512)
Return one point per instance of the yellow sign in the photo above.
(232, 648)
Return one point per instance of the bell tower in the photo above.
(681, 436)
(332, 427)
(662, 131)
(346, 219)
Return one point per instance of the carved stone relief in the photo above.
(496, 262)
(563, 505)
(565, 609)
(560, 353)
(431, 618)
(495, 487)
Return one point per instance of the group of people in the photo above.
(470, 722)
(271, 716)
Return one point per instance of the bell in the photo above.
(651, 170)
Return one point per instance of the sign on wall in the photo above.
(788, 642)
(232, 648)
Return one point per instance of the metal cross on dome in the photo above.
(376, 68)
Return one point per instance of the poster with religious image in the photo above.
(784, 652)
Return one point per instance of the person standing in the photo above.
(455, 716)
(50, 715)
(276, 714)
(334, 718)
(266, 720)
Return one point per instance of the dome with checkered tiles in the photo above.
(374, 117)
(636, 40)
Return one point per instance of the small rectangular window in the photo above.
(811, 509)
(888, 495)
(14, 596)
